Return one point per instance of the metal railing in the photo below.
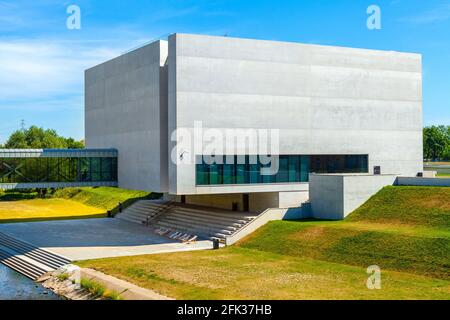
(156, 212)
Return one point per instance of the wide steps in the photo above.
(27, 259)
(196, 229)
(217, 219)
(136, 216)
(39, 255)
(142, 210)
(21, 266)
(129, 218)
(212, 213)
(200, 232)
(207, 223)
(185, 221)
(204, 232)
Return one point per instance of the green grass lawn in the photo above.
(404, 230)
(68, 203)
(411, 206)
(443, 175)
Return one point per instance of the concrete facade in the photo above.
(126, 108)
(324, 100)
(334, 196)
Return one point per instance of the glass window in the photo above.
(283, 169)
(228, 174)
(304, 168)
(46, 169)
(291, 168)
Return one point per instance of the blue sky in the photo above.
(42, 62)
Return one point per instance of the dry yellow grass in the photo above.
(46, 209)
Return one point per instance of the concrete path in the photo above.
(96, 238)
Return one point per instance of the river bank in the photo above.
(14, 286)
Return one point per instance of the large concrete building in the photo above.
(334, 109)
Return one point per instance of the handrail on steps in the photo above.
(157, 212)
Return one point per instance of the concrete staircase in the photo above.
(27, 259)
(206, 223)
(144, 211)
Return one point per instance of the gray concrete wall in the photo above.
(126, 108)
(258, 202)
(335, 196)
(222, 201)
(324, 100)
(326, 195)
(292, 199)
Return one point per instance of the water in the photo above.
(14, 286)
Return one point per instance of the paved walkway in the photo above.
(96, 238)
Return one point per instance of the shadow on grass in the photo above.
(37, 219)
(17, 196)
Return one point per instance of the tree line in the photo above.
(436, 143)
(40, 138)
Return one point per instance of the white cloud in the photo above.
(37, 69)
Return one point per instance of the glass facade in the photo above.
(58, 169)
(291, 168)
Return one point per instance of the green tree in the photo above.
(436, 141)
(39, 138)
(16, 140)
(73, 144)
(446, 154)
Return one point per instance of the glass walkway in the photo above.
(57, 168)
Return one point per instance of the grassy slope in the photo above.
(408, 239)
(106, 198)
(401, 228)
(415, 206)
(68, 203)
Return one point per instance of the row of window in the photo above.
(29, 170)
(291, 168)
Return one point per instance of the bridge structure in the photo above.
(57, 168)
